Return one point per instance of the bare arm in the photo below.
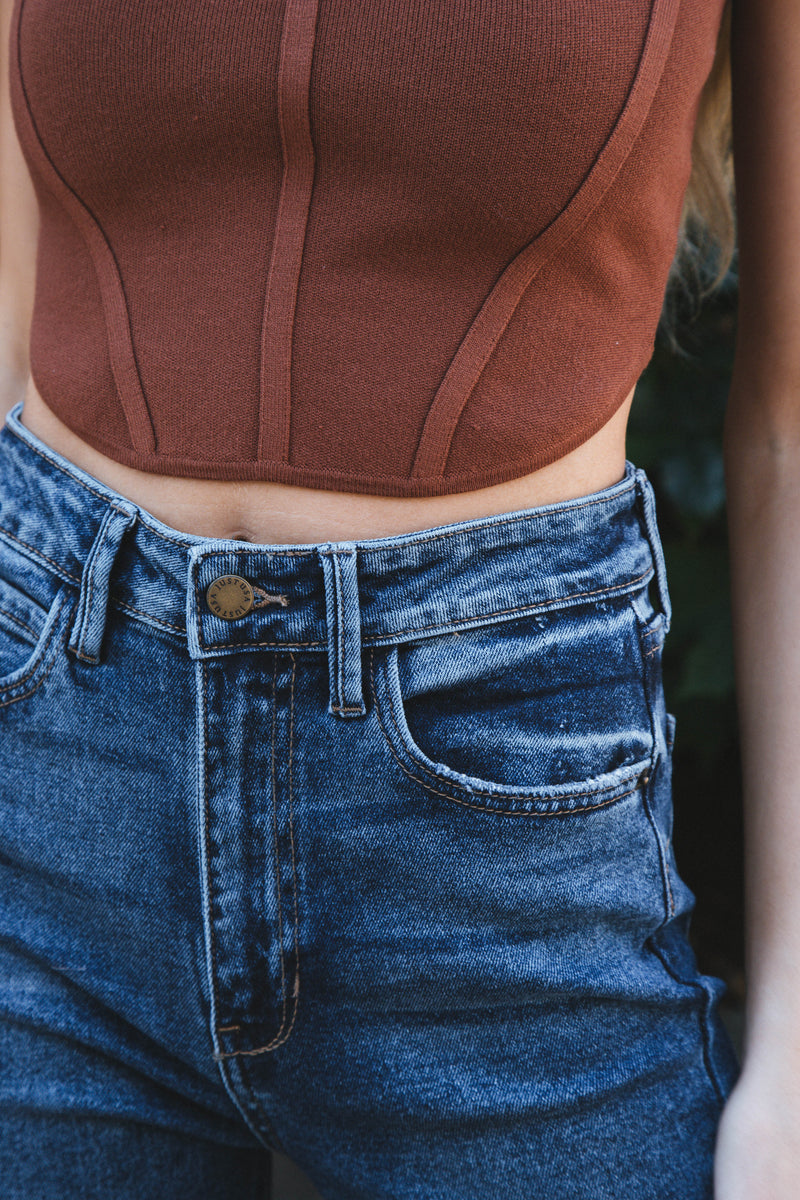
(758, 1155)
(19, 233)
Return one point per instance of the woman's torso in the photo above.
(433, 305)
(267, 512)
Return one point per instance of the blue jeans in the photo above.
(358, 851)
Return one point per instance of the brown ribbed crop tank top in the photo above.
(400, 247)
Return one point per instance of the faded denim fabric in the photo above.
(378, 873)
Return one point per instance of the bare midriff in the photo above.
(279, 513)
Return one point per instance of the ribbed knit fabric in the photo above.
(400, 247)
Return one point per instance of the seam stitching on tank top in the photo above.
(124, 364)
(497, 311)
(470, 477)
(295, 62)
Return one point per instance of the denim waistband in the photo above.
(325, 596)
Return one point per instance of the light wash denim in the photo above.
(378, 874)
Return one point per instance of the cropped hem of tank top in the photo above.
(397, 247)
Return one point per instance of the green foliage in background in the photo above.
(675, 433)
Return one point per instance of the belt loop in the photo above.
(90, 619)
(645, 489)
(344, 629)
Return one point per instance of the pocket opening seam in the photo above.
(32, 554)
(638, 774)
(20, 624)
(38, 664)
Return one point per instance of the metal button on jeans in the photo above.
(229, 597)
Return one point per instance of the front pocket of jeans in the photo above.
(30, 638)
(546, 714)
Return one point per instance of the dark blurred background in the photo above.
(675, 433)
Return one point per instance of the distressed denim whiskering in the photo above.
(377, 873)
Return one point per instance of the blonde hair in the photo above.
(707, 230)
